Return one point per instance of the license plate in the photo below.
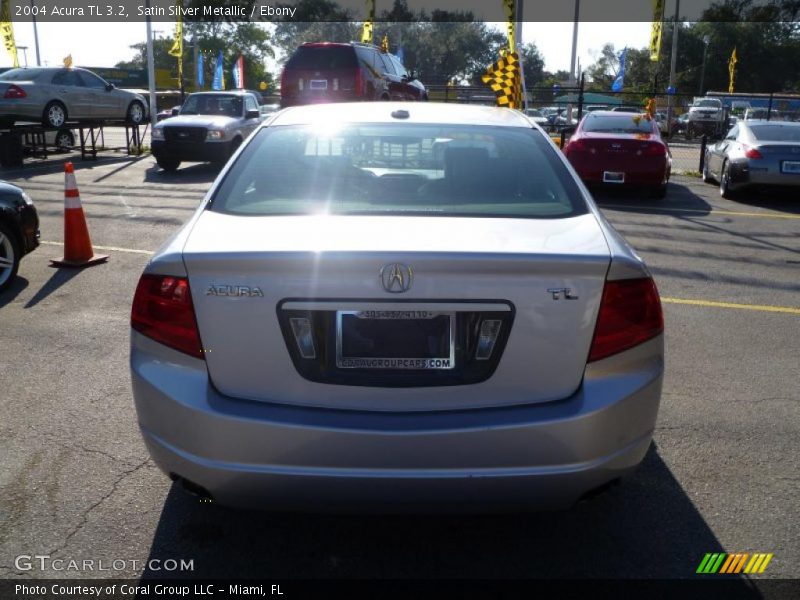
(613, 177)
(318, 84)
(395, 340)
(790, 166)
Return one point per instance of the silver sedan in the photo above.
(57, 95)
(397, 307)
(754, 153)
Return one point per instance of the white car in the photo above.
(397, 306)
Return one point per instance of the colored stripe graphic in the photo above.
(758, 563)
(721, 562)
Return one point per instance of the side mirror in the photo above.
(412, 74)
(176, 112)
(109, 87)
(253, 113)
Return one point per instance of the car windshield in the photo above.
(708, 103)
(21, 74)
(623, 123)
(213, 104)
(402, 169)
(776, 133)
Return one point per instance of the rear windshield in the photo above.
(624, 123)
(776, 133)
(213, 104)
(404, 169)
(322, 58)
(708, 103)
(21, 74)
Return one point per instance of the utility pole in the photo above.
(673, 59)
(35, 36)
(706, 40)
(518, 21)
(151, 68)
(574, 42)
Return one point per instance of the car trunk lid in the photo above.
(244, 271)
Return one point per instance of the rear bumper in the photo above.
(759, 172)
(260, 455)
(192, 151)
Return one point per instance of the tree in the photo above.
(532, 65)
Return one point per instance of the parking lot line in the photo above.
(704, 212)
(106, 248)
(714, 304)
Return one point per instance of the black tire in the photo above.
(168, 164)
(725, 182)
(235, 146)
(55, 114)
(659, 192)
(136, 113)
(64, 139)
(10, 256)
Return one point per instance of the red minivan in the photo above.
(620, 149)
(334, 72)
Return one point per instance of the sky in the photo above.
(105, 44)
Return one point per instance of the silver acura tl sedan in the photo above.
(397, 307)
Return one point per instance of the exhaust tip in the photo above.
(599, 490)
(191, 488)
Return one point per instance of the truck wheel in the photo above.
(168, 164)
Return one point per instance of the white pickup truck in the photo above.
(707, 116)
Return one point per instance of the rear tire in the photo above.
(168, 164)
(659, 192)
(55, 114)
(10, 255)
(725, 182)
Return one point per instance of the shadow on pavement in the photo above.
(13, 290)
(57, 279)
(679, 198)
(645, 528)
(195, 173)
(50, 166)
(780, 199)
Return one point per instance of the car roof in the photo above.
(418, 112)
(751, 122)
(614, 113)
(223, 93)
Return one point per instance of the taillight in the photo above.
(630, 313)
(359, 83)
(655, 149)
(14, 91)
(752, 152)
(163, 311)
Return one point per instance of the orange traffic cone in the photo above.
(77, 245)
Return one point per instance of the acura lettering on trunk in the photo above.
(412, 307)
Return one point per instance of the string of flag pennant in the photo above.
(7, 31)
(504, 77)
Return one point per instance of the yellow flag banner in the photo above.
(656, 30)
(505, 79)
(385, 44)
(177, 46)
(7, 31)
(68, 61)
(366, 30)
(510, 22)
(732, 70)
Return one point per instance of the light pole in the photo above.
(35, 36)
(673, 60)
(151, 69)
(706, 40)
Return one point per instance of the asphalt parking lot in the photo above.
(721, 475)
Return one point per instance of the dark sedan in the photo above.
(19, 230)
(754, 153)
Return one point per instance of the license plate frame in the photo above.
(613, 177)
(444, 363)
(794, 167)
(318, 84)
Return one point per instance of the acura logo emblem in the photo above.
(396, 278)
